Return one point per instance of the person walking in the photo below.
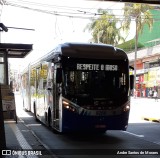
(155, 95)
(150, 93)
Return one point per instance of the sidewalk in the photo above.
(21, 141)
(147, 108)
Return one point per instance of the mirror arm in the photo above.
(49, 89)
(131, 67)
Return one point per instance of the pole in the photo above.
(98, 36)
(2, 130)
(6, 67)
(135, 60)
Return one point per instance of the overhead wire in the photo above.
(57, 6)
(85, 11)
(68, 14)
(78, 14)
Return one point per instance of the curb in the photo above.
(48, 151)
(152, 119)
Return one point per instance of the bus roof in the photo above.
(88, 50)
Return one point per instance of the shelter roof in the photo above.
(15, 50)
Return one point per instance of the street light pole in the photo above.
(135, 59)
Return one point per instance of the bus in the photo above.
(81, 87)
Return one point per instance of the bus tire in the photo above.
(35, 115)
(49, 118)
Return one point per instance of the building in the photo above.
(148, 58)
(147, 70)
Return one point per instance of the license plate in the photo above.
(100, 113)
(100, 126)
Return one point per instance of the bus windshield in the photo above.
(99, 84)
(93, 82)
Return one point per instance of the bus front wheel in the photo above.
(49, 118)
(35, 115)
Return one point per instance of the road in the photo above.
(141, 136)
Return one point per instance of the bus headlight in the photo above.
(68, 106)
(65, 103)
(126, 107)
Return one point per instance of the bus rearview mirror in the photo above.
(59, 75)
(131, 82)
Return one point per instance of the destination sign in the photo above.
(97, 67)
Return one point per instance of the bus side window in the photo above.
(50, 76)
(44, 74)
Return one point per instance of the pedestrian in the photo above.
(155, 95)
(150, 93)
(135, 93)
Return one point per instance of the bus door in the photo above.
(37, 90)
(56, 103)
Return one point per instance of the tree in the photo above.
(142, 15)
(104, 29)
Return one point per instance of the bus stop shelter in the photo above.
(8, 50)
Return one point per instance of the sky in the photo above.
(49, 29)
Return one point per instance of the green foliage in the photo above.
(130, 46)
(142, 16)
(104, 29)
(151, 37)
(140, 12)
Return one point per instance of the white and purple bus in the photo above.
(80, 87)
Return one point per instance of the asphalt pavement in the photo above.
(22, 142)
